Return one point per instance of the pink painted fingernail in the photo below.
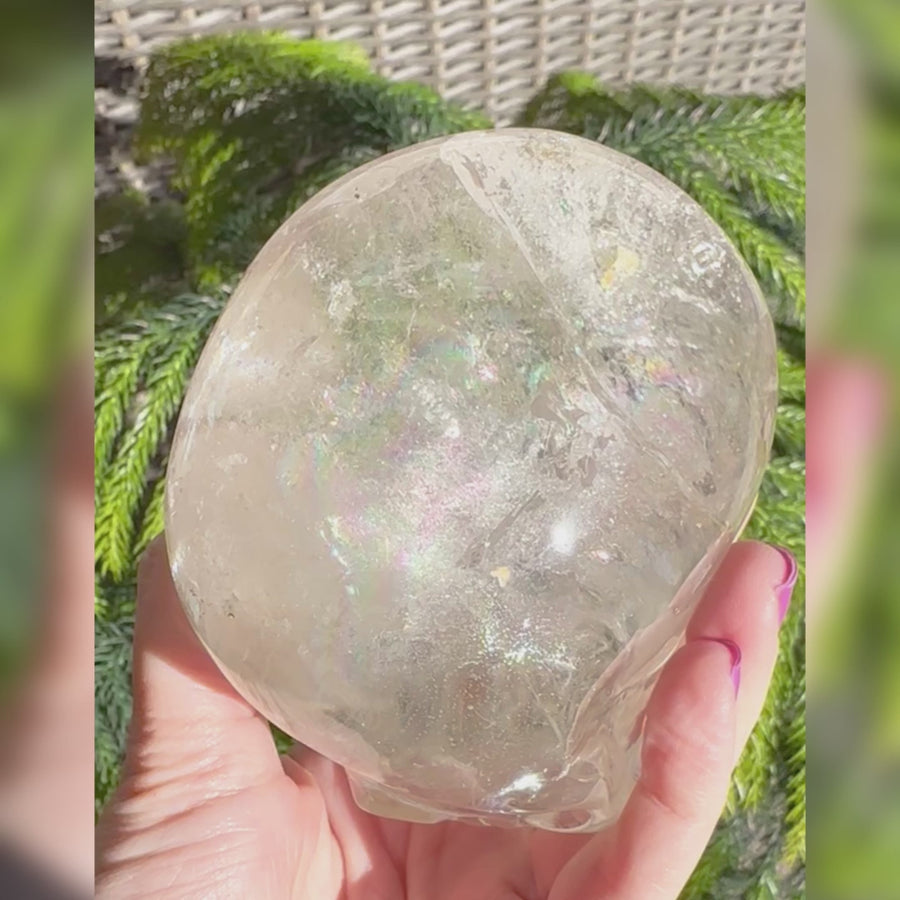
(735, 652)
(785, 587)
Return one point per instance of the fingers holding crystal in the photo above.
(187, 719)
(687, 757)
(744, 603)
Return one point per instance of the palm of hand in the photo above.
(208, 809)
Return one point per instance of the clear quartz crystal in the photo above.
(456, 463)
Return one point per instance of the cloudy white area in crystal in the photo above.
(469, 437)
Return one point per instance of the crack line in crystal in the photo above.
(472, 183)
(476, 550)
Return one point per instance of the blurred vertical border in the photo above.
(46, 183)
(854, 450)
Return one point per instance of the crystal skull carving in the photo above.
(455, 464)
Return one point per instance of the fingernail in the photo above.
(785, 587)
(735, 652)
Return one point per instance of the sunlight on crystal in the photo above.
(529, 782)
(563, 537)
(455, 461)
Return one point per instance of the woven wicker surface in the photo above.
(494, 54)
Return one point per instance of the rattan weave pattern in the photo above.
(494, 54)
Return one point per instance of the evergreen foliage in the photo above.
(254, 125)
(742, 159)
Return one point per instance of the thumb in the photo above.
(192, 736)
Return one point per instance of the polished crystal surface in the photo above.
(468, 439)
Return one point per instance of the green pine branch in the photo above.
(778, 519)
(112, 699)
(139, 255)
(794, 750)
(139, 397)
(747, 137)
(116, 382)
(721, 151)
(791, 379)
(248, 118)
(153, 519)
(772, 767)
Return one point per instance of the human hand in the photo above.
(207, 808)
